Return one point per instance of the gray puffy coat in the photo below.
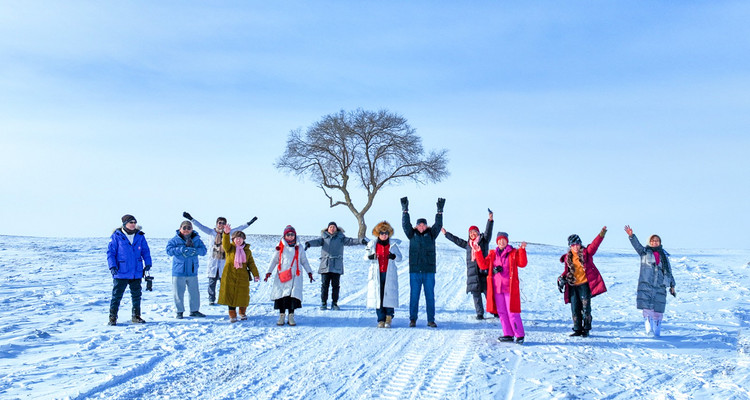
(476, 279)
(332, 252)
(653, 279)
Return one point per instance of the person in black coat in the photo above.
(476, 278)
(422, 260)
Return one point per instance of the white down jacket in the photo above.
(390, 292)
(292, 287)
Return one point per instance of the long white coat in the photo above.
(390, 293)
(292, 287)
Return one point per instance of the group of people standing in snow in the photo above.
(490, 273)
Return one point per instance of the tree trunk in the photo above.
(362, 226)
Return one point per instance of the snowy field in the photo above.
(55, 342)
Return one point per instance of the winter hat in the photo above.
(127, 218)
(288, 229)
(473, 228)
(382, 226)
(422, 221)
(186, 223)
(574, 239)
(332, 223)
(501, 235)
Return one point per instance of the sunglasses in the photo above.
(383, 233)
(186, 228)
(221, 223)
(132, 221)
(290, 234)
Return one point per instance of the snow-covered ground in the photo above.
(55, 343)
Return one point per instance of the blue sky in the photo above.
(560, 116)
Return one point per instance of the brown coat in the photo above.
(235, 282)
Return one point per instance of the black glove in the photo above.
(252, 220)
(113, 271)
(498, 269)
(404, 204)
(187, 216)
(391, 256)
(672, 291)
(148, 268)
(364, 240)
(307, 245)
(440, 204)
(561, 284)
(372, 256)
(309, 274)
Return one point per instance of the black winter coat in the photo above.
(422, 245)
(476, 278)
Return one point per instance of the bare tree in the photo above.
(360, 149)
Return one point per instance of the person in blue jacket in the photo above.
(185, 248)
(126, 254)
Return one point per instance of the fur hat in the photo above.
(127, 218)
(473, 228)
(382, 226)
(574, 239)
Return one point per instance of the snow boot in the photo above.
(505, 339)
(585, 333)
(197, 314)
(577, 333)
(335, 306)
(291, 321)
(137, 319)
(649, 323)
(657, 327)
(324, 306)
(232, 316)
(381, 324)
(520, 340)
(480, 316)
(112, 321)
(243, 316)
(280, 322)
(412, 323)
(432, 324)
(388, 321)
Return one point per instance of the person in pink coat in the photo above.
(581, 280)
(503, 291)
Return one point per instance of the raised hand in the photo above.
(227, 228)
(404, 204)
(440, 204)
(187, 216)
(523, 245)
(628, 230)
(252, 220)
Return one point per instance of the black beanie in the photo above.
(574, 239)
(332, 223)
(422, 221)
(127, 218)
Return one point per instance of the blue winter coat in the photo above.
(127, 259)
(184, 258)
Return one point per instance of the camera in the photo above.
(498, 269)
(149, 283)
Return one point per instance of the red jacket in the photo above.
(516, 259)
(596, 283)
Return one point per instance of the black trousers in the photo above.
(118, 290)
(580, 307)
(330, 279)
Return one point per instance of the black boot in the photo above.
(137, 319)
(505, 339)
(112, 320)
(578, 333)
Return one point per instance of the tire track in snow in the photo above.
(430, 375)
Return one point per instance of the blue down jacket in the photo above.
(125, 259)
(184, 258)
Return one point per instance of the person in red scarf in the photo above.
(287, 283)
(382, 280)
(503, 291)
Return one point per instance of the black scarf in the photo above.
(129, 231)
